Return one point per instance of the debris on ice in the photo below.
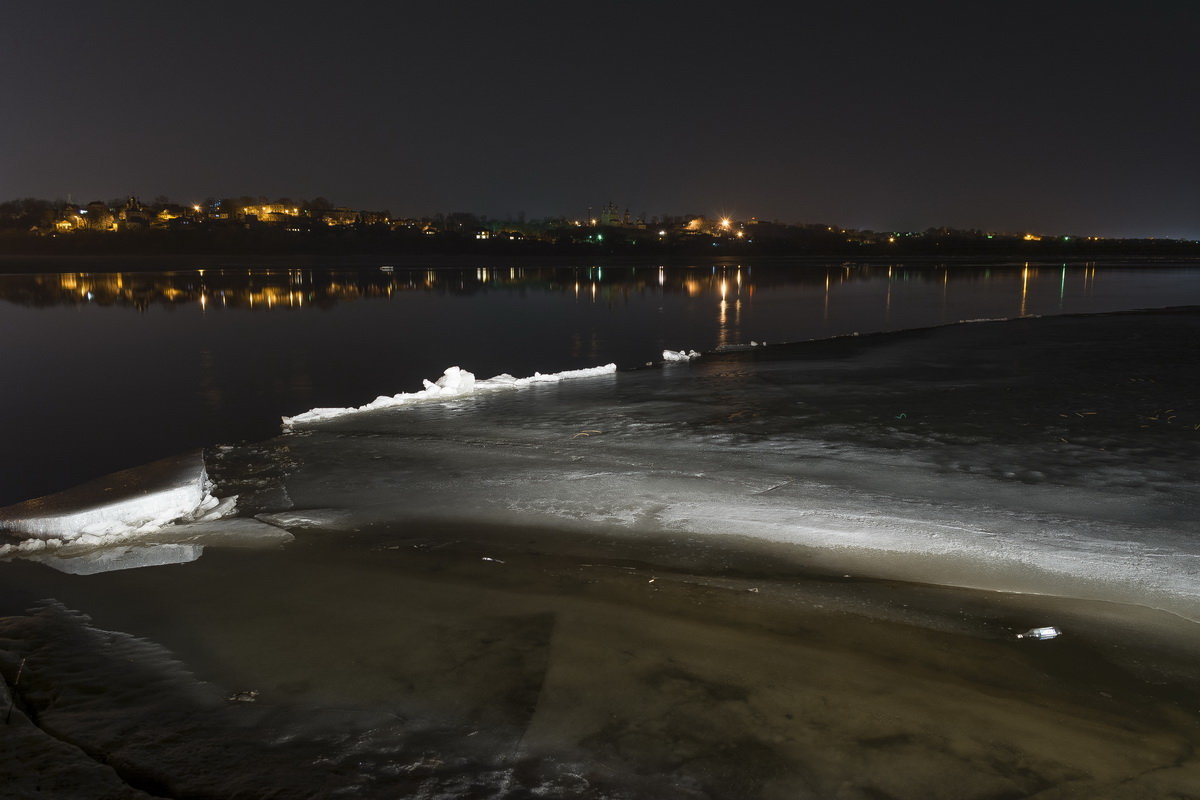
(1048, 632)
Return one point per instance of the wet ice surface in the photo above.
(433, 661)
(1054, 456)
(638, 588)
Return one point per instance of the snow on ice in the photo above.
(455, 382)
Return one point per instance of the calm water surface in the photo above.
(109, 370)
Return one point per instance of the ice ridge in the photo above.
(455, 382)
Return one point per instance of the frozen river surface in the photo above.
(740, 576)
(1027, 455)
(795, 571)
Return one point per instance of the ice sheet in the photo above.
(455, 382)
(656, 654)
(118, 557)
(1013, 456)
(173, 544)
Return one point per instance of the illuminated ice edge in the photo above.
(121, 521)
(680, 355)
(454, 383)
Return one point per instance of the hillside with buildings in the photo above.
(291, 226)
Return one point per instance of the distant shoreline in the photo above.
(15, 264)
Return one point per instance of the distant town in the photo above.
(287, 225)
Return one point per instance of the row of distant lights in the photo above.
(726, 223)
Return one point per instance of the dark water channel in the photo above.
(104, 371)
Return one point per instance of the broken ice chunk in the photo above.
(111, 559)
(328, 518)
(135, 500)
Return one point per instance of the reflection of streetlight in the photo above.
(1024, 288)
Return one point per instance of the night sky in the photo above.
(1072, 118)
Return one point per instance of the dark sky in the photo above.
(1057, 117)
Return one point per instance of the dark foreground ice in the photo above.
(796, 572)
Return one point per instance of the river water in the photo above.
(778, 570)
(109, 370)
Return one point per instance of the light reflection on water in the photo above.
(121, 368)
(297, 289)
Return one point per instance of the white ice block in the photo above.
(455, 382)
(144, 498)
